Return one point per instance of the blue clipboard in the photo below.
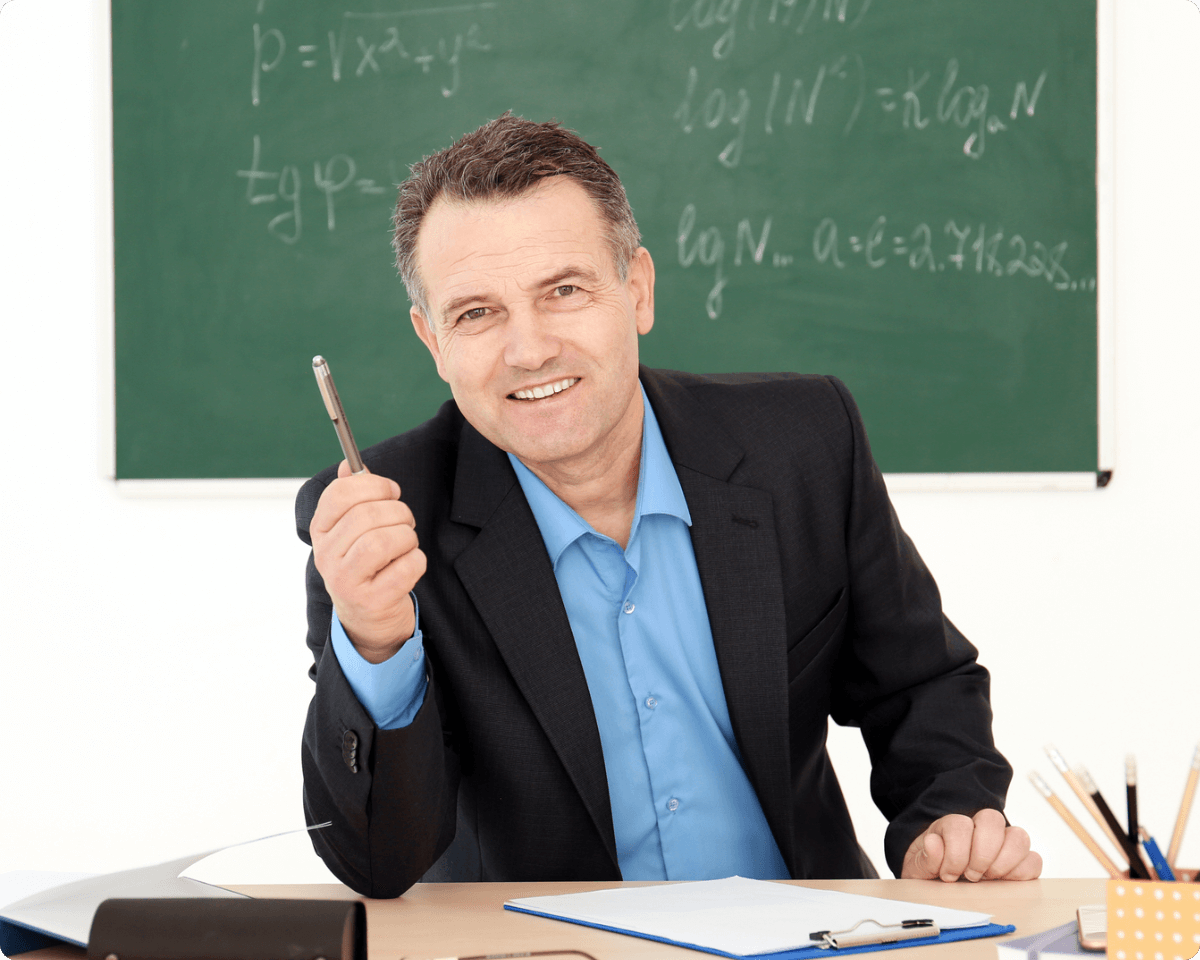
(946, 936)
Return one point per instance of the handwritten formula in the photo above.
(404, 44)
(748, 90)
(981, 249)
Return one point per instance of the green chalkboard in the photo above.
(899, 193)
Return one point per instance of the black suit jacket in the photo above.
(819, 604)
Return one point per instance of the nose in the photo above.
(531, 339)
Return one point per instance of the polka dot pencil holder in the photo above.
(1153, 920)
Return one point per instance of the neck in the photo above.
(604, 489)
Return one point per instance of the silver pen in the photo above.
(334, 405)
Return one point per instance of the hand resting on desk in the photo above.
(364, 543)
(983, 847)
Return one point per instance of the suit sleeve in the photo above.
(390, 796)
(907, 677)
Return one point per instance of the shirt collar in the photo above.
(658, 492)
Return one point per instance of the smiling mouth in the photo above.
(546, 390)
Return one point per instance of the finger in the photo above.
(401, 575)
(386, 612)
(955, 831)
(375, 550)
(1028, 869)
(923, 859)
(1012, 855)
(927, 863)
(351, 556)
(345, 493)
(987, 839)
(379, 631)
(356, 523)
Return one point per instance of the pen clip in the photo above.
(882, 933)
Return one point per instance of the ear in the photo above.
(426, 334)
(641, 288)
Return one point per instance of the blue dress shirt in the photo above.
(682, 806)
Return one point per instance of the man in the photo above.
(637, 595)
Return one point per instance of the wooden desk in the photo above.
(447, 919)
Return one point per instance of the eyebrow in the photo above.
(570, 272)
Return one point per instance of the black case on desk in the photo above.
(226, 929)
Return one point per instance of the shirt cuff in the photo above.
(391, 692)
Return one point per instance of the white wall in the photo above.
(152, 679)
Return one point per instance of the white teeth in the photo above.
(537, 393)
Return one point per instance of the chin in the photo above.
(549, 449)
(527, 453)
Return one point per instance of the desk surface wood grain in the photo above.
(451, 920)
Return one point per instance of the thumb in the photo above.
(927, 864)
(344, 469)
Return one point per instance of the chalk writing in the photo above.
(380, 44)
(721, 16)
(975, 248)
(708, 247)
(283, 186)
(972, 248)
(961, 105)
(809, 99)
(786, 100)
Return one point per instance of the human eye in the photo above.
(565, 289)
(475, 313)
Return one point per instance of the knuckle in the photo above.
(409, 537)
(375, 513)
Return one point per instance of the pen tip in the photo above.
(318, 360)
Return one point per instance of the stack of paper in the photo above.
(743, 918)
(65, 912)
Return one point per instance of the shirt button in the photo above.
(672, 804)
(629, 607)
(651, 702)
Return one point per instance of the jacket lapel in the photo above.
(733, 536)
(508, 576)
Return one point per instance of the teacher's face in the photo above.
(531, 324)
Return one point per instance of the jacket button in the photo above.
(350, 750)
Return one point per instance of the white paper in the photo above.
(66, 911)
(736, 915)
(18, 884)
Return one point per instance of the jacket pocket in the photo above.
(805, 650)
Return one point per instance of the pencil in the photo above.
(1069, 819)
(1137, 869)
(1084, 797)
(1160, 864)
(1185, 808)
(1131, 796)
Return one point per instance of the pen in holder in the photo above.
(1137, 846)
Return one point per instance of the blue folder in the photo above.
(946, 936)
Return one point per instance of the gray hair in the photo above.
(503, 159)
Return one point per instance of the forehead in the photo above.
(474, 242)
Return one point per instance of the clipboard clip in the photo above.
(878, 933)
